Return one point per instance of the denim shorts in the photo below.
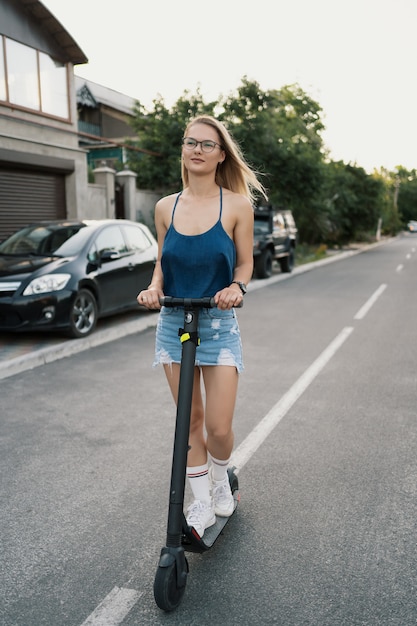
(218, 330)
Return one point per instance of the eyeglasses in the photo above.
(206, 145)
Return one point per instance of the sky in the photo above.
(356, 58)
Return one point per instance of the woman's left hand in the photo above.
(228, 297)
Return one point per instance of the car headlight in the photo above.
(47, 283)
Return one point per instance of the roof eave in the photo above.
(68, 45)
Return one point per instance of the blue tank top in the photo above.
(197, 266)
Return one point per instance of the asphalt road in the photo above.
(326, 434)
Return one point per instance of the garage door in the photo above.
(28, 196)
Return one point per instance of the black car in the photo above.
(66, 274)
(274, 239)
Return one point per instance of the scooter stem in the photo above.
(182, 429)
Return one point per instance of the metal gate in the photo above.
(29, 196)
(120, 201)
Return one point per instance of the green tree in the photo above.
(405, 194)
(279, 132)
(391, 219)
(354, 201)
(159, 136)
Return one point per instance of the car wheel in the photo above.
(83, 315)
(263, 264)
(287, 262)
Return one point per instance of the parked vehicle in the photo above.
(275, 238)
(67, 274)
(412, 226)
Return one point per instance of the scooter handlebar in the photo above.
(192, 303)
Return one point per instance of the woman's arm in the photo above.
(243, 238)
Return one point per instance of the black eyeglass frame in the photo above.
(192, 147)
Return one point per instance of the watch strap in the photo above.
(241, 285)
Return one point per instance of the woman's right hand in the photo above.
(149, 298)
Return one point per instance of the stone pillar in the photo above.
(127, 180)
(105, 176)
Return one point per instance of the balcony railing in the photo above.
(91, 129)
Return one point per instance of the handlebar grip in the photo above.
(196, 303)
(200, 303)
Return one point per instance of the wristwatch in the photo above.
(242, 286)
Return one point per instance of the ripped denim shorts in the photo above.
(220, 342)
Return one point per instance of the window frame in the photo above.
(4, 75)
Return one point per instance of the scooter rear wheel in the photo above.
(166, 592)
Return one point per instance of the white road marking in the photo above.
(364, 310)
(114, 608)
(261, 431)
(399, 267)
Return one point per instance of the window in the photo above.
(34, 80)
(54, 90)
(3, 95)
(136, 238)
(22, 75)
(261, 227)
(279, 222)
(111, 238)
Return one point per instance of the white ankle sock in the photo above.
(219, 468)
(199, 482)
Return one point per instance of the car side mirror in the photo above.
(109, 255)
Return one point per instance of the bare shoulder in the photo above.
(164, 207)
(166, 202)
(237, 205)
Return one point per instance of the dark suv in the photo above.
(275, 238)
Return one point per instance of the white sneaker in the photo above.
(200, 515)
(224, 503)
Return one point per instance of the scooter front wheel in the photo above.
(166, 592)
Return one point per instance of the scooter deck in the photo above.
(191, 540)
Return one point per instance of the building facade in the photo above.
(103, 123)
(43, 168)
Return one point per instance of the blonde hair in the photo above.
(234, 173)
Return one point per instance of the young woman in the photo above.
(205, 239)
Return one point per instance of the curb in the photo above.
(73, 346)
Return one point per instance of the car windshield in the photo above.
(41, 240)
(261, 227)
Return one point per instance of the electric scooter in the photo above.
(171, 575)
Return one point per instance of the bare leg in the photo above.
(221, 382)
(197, 455)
